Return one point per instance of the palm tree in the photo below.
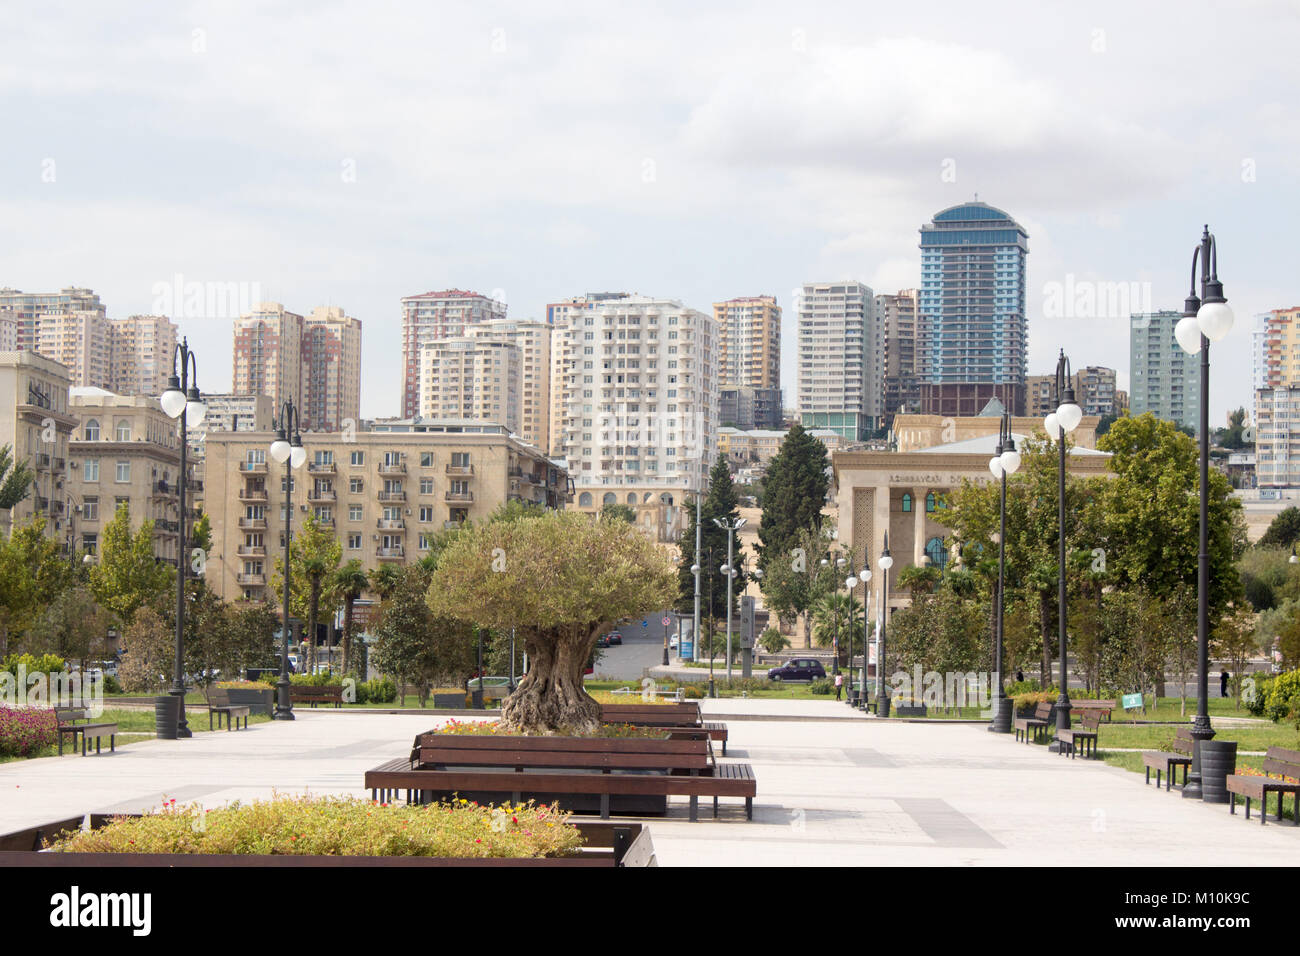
(315, 568)
(350, 582)
(385, 579)
(832, 621)
(15, 479)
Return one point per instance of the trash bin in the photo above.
(1218, 759)
(167, 715)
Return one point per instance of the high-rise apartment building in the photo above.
(80, 342)
(841, 359)
(331, 369)
(749, 342)
(1094, 390)
(534, 342)
(141, 354)
(748, 408)
(472, 378)
(1164, 379)
(268, 356)
(906, 350)
(431, 316)
(1040, 395)
(562, 316)
(972, 301)
(28, 307)
(640, 419)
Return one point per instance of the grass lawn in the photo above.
(133, 725)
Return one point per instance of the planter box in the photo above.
(257, 701)
(909, 710)
(607, 845)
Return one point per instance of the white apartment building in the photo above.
(640, 405)
(534, 342)
(841, 359)
(473, 378)
(1277, 437)
(431, 316)
(8, 331)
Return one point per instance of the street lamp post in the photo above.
(850, 583)
(865, 577)
(885, 562)
(731, 526)
(181, 400)
(1058, 424)
(287, 449)
(1206, 318)
(1005, 462)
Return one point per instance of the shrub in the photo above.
(822, 686)
(25, 731)
(112, 685)
(1026, 702)
(1256, 703)
(377, 690)
(338, 826)
(245, 685)
(1282, 698)
(45, 664)
(692, 692)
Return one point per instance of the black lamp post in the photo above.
(850, 583)
(885, 562)
(181, 400)
(1005, 462)
(287, 449)
(1059, 423)
(1206, 318)
(865, 576)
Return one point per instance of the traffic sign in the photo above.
(666, 622)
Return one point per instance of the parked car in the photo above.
(603, 641)
(615, 637)
(798, 668)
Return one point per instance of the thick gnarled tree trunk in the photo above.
(551, 698)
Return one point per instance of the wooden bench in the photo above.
(1102, 708)
(1277, 760)
(1085, 734)
(1168, 762)
(308, 694)
(497, 768)
(1038, 723)
(664, 715)
(70, 725)
(220, 705)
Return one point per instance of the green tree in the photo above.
(1283, 531)
(32, 574)
(1233, 640)
(621, 512)
(147, 649)
(385, 579)
(74, 626)
(417, 646)
(561, 580)
(314, 555)
(794, 492)
(15, 479)
(720, 503)
(836, 616)
(793, 584)
(128, 576)
(350, 582)
(773, 641)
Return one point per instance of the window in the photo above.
(426, 513)
(92, 430)
(123, 471)
(90, 543)
(354, 513)
(256, 456)
(937, 553)
(907, 502)
(358, 458)
(123, 431)
(92, 469)
(584, 500)
(426, 459)
(356, 485)
(460, 459)
(90, 509)
(426, 486)
(929, 502)
(354, 542)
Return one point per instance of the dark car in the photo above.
(798, 668)
(602, 641)
(615, 637)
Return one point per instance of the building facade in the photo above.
(28, 307)
(841, 359)
(533, 340)
(749, 342)
(1094, 390)
(142, 351)
(36, 423)
(747, 408)
(972, 301)
(268, 355)
(1163, 379)
(386, 492)
(125, 450)
(331, 369)
(906, 350)
(431, 316)
(472, 377)
(1277, 436)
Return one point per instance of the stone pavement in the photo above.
(830, 792)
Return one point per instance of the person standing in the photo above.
(839, 685)
(1223, 684)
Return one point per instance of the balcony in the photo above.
(394, 468)
(321, 468)
(253, 467)
(459, 496)
(392, 496)
(390, 554)
(391, 524)
(321, 494)
(252, 551)
(252, 494)
(451, 525)
(251, 579)
(326, 524)
(461, 470)
(252, 524)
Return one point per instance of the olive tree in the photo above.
(561, 580)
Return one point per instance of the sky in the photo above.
(351, 153)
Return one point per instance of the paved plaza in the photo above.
(833, 789)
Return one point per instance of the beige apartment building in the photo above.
(36, 422)
(1094, 390)
(759, 446)
(386, 492)
(431, 316)
(142, 351)
(534, 341)
(125, 450)
(8, 331)
(749, 342)
(472, 378)
(1040, 395)
(80, 341)
(268, 355)
(331, 369)
(28, 308)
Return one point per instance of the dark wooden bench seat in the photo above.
(1085, 735)
(1277, 760)
(1102, 708)
(77, 722)
(684, 714)
(220, 705)
(1037, 723)
(1168, 762)
(307, 694)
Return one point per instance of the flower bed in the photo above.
(492, 728)
(338, 826)
(26, 730)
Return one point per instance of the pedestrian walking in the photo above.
(1223, 684)
(839, 685)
